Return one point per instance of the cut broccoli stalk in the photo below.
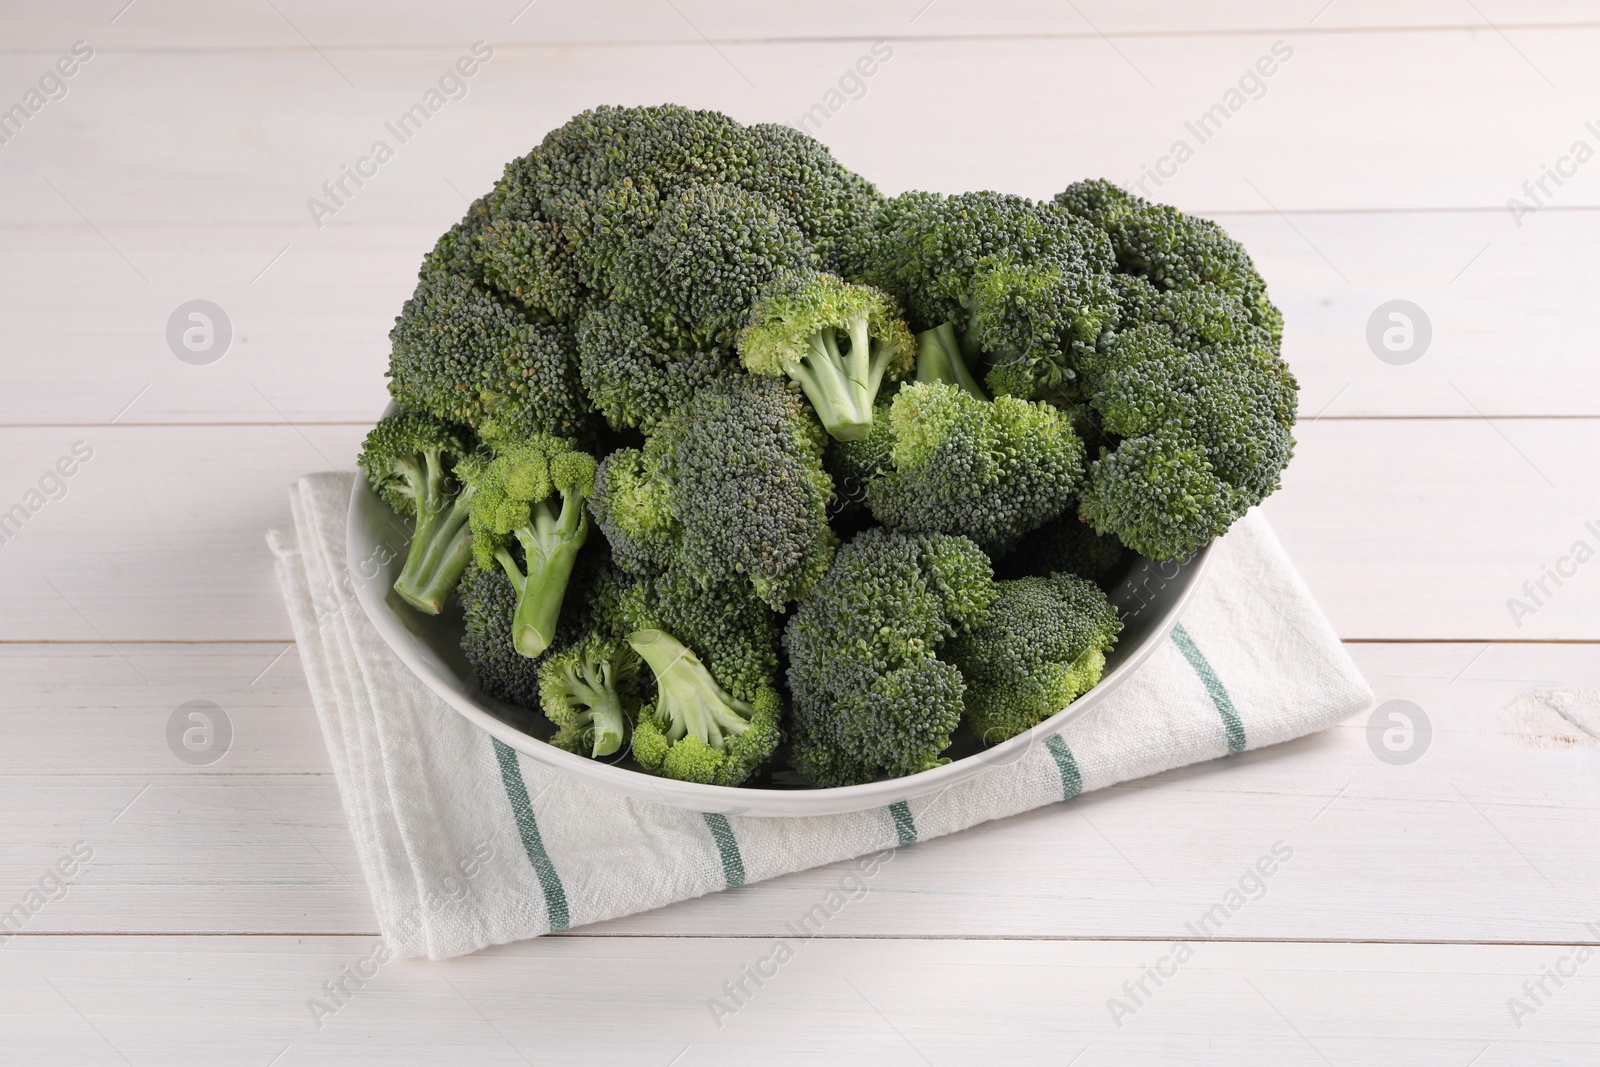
(550, 543)
(441, 542)
(515, 496)
(581, 689)
(689, 701)
(939, 360)
(838, 341)
(408, 459)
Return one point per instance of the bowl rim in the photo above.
(372, 596)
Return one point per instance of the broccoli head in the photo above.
(1042, 644)
(732, 486)
(634, 375)
(531, 496)
(696, 730)
(460, 352)
(838, 341)
(871, 694)
(409, 459)
(1021, 284)
(588, 690)
(501, 671)
(1190, 401)
(989, 470)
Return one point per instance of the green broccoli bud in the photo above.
(1042, 644)
(586, 690)
(839, 341)
(696, 731)
(409, 459)
(516, 502)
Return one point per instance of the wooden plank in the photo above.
(245, 845)
(210, 1000)
(1493, 297)
(160, 534)
(1028, 114)
(192, 24)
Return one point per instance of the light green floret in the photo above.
(839, 341)
(409, 458)
(587, 690)
(532, 493)
(1042, 645)
(696, 731)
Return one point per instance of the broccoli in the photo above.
(1186, 387)
(633, 374)
(696, 731)
(838, 341)
(733, 485)
(1022, 285)
(697, 269)
(501, 671)
(939, 359)
(514, 502)
(871, 696)
(1065, 543)
(1042, 644)
(989, 470)
(725, 622)
(461, 353)
(409, 458)
(587, 690)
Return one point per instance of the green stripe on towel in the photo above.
(1214, 686)
(1071, 780)
(904, 825)
(728, 848)
(555, 897)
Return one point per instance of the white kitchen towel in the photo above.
(466, 844)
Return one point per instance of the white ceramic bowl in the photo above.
(1149, 599)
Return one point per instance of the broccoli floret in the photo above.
(1042, 644)
(838, 341)
(633, 504)
(409, 458)
(635, 376)
(515, 501)
(734, 631)
(871, 695)
(1022, 285)
(502, 672)
(710, 251)
(588, 690)
(696, 731)
(989, 470)
(732, 486)
(461, 353)
(1064, 544)
(833, 206)
(1192, 403)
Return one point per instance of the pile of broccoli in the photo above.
(737, 465)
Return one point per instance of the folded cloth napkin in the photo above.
(466, 844)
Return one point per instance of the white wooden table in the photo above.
(1374, 164)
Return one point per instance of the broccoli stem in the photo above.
(688, 700)
(939, 359)
(591, 685)
(441, 541)
(841, 386)
(550, 544)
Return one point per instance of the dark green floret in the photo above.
(988, 470)
(531, 496)
(409, 458)
(1042, 644)
(839, 341)
(732, 486)
(490, 603)
(696, 731)
(871, 694)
